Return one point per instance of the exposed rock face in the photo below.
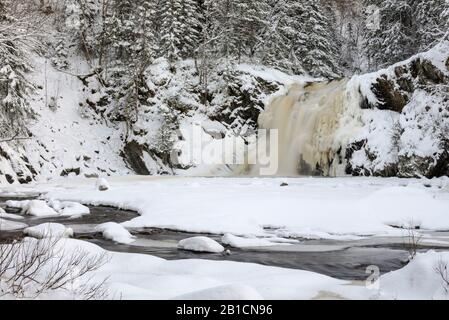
(15, 166)
(414, 121)
(133, 155)
(394, 91)
(245, 100)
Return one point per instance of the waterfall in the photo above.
(314, 121)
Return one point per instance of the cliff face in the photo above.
(406, 119)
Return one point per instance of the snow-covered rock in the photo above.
(102, 184)
(49, 230)
(115, 232)
(68, 208)
(38, 208)
(42, 208)
(17, 204)
(405, 119)
(200, 244)
(5, 215)
(7, 225)
(225, 292)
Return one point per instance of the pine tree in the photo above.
(445, 20)
(179, 28)
(349, 25)
(393, 41)
(237, 26)
(121, 26)
(283, 36)
(431, 25)
(14, 87)
(318, 52)
(87, 27)
(300, 38)
(251, 19)
(204, 55)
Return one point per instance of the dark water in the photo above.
(346, 263)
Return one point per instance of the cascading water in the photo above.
(314, 122)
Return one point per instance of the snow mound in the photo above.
(400, 206)
(102, 184)
(49, 230)
(38, 208)
(6, 225)
(417, 280)
(240, 242)
(67, 208)
(226, 292)
(41, 208)
(10, 216)
(200, 244)
(115, 232)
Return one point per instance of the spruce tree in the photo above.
(431, 24)
(238, 26)
(179, 28)
(318, 52)
(283, 36)
(14, 86)
(394, 40)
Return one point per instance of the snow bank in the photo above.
(200, 244)
(3, 214)
(49, 230)
(241, 242)
(139, 276)
(41, 208)
(115, 232)
(7, 225)
(226, 292)
(338, 208)
(418, 280)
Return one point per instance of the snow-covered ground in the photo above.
(137, 276)
(338, 208)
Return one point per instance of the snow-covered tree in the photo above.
(349, 26)
(431, 22)
(14, 64)
(319, 52)
(394, 40)
(179, 28)
(283, 36)
(237, 26)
